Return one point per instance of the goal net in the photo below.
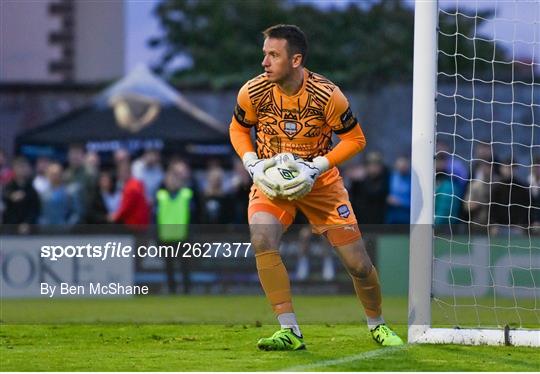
(475, 238)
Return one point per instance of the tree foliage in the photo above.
(357, 46)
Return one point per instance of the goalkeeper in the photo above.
(295, 110)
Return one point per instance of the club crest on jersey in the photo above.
(290, 128)
(344, 211)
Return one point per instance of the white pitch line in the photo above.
(347, 359)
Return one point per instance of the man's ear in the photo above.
(296, 60)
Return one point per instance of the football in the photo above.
(280, 172)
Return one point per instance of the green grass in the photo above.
(219, 334)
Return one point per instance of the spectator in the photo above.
(174, 204)
(184, 169)
(6, 176)
(240, 187)
(133, 211)
(399, 197)
(41, 181)
(214, 200)
(6, 173)
(20, 199)
(510, 200)
(447, 200)
(476, 206)
(92, 164)
(173, 216)
(105, 198)
(454, 167)
(57, 204)
(484, 153)
(369, 190)
(148, 170)
(79, 181)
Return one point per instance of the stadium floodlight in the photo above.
(474, 276)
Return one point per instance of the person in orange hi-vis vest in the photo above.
(295, 110)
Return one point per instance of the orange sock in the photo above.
(368, 291)
(274, 281)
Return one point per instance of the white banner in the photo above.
(89, 266)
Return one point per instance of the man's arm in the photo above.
(344, 124)
(240, 138)
(351, 143)
(243, 120)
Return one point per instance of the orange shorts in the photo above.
(327, 208)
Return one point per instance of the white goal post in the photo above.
(469, 296)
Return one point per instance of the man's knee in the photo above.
(266, 231)
(360, 269)
(355, 259)
(263, 241)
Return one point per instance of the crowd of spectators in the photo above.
(83, 191)
(380, 195)
(486, 192)
(480, 192)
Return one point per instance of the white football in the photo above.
(280, 173)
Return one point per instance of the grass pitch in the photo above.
(219, 334)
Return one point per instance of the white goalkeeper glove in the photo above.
(308, 172)
(256, 167)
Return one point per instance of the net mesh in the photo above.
(486, 267)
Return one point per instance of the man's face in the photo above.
(152, 158)
(105, 182)
(276, 62)
(374, 168)
(440, 163)
(181, 171)
(42, 164)
(54, 174)
(121, 155)
(22, 169)
(75, 157)
(506, 171)
(171, 181)
(123, 171)
(402, 165)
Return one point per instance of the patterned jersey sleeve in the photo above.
(338, 113)
(244, 113)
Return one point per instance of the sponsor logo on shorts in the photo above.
(344, 211)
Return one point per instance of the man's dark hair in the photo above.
(295, 37)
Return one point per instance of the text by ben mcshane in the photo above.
(95, 289)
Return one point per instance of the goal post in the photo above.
(483, 275)
(423, 148)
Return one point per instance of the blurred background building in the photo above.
(60, 41)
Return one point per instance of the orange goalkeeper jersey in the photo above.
(301, 124)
